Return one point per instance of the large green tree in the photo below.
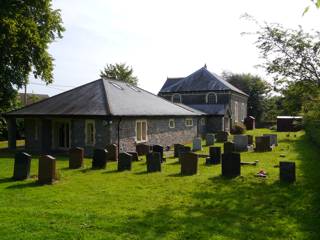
(255, 87)
(26, 30)
(120, 72)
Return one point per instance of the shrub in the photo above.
(238, 128)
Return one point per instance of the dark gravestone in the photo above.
(99, 160)
(263, 144)
(143, 149)
(183, 150)
(273, 139)
(215, 155)
(135, 156)
(222, 136)
(228, 147)
(112, 152)
(76, 157)
(189, 163)
(177, 148)
(159, 149)
(22, 163)
(288, 172)
(231, 164)
(210, 139)
(250, 139)
(124, 162)
(153, 162)
(47, 169)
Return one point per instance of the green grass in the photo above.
(4, 144)
(105, 204)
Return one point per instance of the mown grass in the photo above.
(106, 204)
(4, 144)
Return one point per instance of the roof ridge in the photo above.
(107, 106)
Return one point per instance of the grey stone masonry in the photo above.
(210, 138)
(240, 143)
(196, 145)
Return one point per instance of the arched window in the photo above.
(212, 98)
(176, 98)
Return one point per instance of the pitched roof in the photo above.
(211, 109)
(104, 97)
(32, 97)
(200, 80)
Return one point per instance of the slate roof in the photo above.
(200, 80)
(104, 97)
(211, 109)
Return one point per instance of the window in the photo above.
(211, 98)
(236, 112)
(116, 85)
(141, 130)
(172, 123)
(189, 122)
(242, 112)
(133, 88)
(176, 98)
(90, 132)
(202, 121)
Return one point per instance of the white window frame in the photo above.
(176, 94)
(242, 112)
(215, 95)
(86, 132)
(189, 122)
(146, 130)
(172, 123)
(236, 111)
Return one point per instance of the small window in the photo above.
(242, 111)
(189, 122)
(211, 98)
(90, 132)
(133, 88)
(176, 98)
(202, 121)
(172, 123)
(116, 85)
(236, 112)
(141, 131)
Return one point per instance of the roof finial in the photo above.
(205, 66)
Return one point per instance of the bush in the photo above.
(238, 128)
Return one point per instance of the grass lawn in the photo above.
(4, 144)
(105, 204)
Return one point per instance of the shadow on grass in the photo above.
(111, 171)
(7, 180)
(141, 173)
(22, 185)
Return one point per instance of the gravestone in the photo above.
(263, 144)
(222, 136)
(189, 163)
(76, 155)
(210, 139)
(22, 164)
(250, 140)
(228, 147)
(196, 144)
(176, 149)
(159, 149)
(240, 143)
(143, 149)
(273, 139)
(124, 162)
(135, 156)
(215, 155)
(46, 169)
(99, 160)
(231, 164)
(184, 150)
(112, 152)
(288, 172)
(153, 162)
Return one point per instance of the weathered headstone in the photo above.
(177, 148)
(250, 140)
(189, 163)
(196, 144)
(22, 164)
(231, 164)
(215, 155)
(124, 162)
(228, 147)
(273, 139)
(135, 156)
(184, 150)
(46, 169)
(159, 149)
(240, 143)
(287, 172)
(76, 155)
(263, 144)
(222, 136)
(99, 160)
(210, 139)
(153, 162)
(143, 149)
(112, 152)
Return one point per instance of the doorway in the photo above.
(61, 134)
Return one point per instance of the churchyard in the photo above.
(91, 203)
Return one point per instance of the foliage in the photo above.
(238, 128)
(316, 4)
(255, 87)
(26, 30)
(120, 72)
(273, 107)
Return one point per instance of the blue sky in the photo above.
(162, 38)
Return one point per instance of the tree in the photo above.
(120, 72)
(255, 87)
(26, 30)
(315, 2)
